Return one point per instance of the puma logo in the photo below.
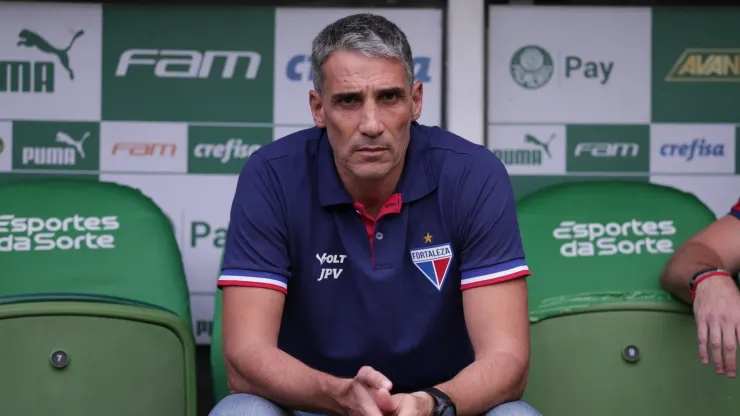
(65, 138)
(32, 39)
(537, 142)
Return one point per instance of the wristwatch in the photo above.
(443, 405)
(705, 273)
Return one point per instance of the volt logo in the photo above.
(299, 68)
(327, 272)
(331, 258)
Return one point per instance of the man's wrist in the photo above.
(426, 401)
(335, 390)
(706, 278)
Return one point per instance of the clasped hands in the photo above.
(368, 394)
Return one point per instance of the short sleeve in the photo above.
(735, 210)
(491, 246)
(256, 252)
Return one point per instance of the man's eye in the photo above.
(389, 96)
(348, 100)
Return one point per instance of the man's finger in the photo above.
(400, 405)
(373, 378)
(729, 337)
(736, 338)
(384, 401)
(702, 332)
(370, 409)
(715, 345)
(367, 405)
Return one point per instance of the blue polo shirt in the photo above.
(384, 291)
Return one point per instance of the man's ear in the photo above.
(417, 93)
(317, 108)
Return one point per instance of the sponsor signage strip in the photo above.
(564, 107)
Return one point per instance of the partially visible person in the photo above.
(703, 272)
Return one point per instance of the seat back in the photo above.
(89, 238)
(605, 338)
(603, 241)
(218, 366)
(94, 305)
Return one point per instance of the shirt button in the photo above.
(379, 236)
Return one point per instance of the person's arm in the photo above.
(494, 291)
(718, 246)
(254, 280)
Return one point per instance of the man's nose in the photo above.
(370, 124)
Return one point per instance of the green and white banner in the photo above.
(170, 100)
(640, 94)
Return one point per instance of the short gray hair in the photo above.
(369, 34)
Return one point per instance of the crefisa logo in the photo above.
(697, 148)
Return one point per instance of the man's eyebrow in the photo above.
(358, 94)
(348, 94)
(392, 90)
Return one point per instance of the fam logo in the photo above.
(530, 154)
(607, 149)
(696, 149)
(706, 65)
(299, 68)
(18, 76)
(532, 67)
(433, 262)
(144, 149)
(190, 63)
(330, 259)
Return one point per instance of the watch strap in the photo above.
(442, 402)
(703, 274)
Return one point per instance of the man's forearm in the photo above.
(274, 375)
(487, 382)
(686, 261)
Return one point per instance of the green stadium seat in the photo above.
(605, 338)
(94, 304)
(218, 365)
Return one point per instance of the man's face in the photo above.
(367, 108)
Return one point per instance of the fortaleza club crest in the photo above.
(433, 262)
